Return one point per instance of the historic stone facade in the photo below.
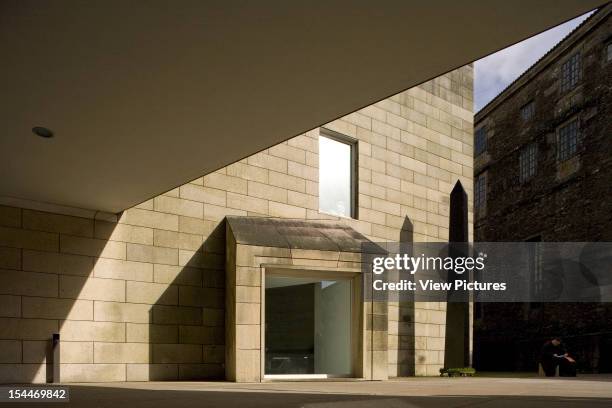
(545, 173)
(141, 295)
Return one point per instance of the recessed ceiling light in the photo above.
(42, 132)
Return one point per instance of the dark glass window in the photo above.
(609, 52)
(480, 191)
(535, 268)
(480, 141)
(528, 162)
(527, 111)
(570, 72)
(568, 141)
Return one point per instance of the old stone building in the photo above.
(174, 288)
(543, 172)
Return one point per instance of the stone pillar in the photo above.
(242, 314)
(375, 336)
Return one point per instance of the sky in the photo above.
(493, 73)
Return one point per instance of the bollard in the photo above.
(55, 349)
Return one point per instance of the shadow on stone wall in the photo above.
(406, 336)
(187, 329)
(46, 260)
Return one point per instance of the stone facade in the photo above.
(140, 295)
(565, 200)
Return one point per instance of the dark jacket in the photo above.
(550, 351)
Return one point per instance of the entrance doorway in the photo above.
(308, 326)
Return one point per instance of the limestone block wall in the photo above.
(126, 307)
(140, 295)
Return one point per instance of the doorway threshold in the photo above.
(308, 377)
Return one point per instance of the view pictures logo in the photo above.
(412, 264)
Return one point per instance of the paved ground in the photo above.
(400, 393)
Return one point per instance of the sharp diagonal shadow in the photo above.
(186, 327)
(57, 255)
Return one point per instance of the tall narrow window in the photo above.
(527, 111)
(480, 141)
(527, 162)
(480, 191)
(535, 269)
(336, 175)
(568, 141)
(609, 52)
(570, 72)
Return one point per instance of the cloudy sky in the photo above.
(493, 73)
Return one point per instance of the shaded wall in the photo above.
(564, 201)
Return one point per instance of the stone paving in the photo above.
(592, 391)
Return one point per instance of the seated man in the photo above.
(553, 355)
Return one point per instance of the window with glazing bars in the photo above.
(480, 141)
(568, 141)
(528, 162)
(527, 111)
(570, 72)
(480, 191)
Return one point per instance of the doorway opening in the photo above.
(308, 326)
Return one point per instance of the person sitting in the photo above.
(553, 355)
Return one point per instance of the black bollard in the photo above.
(55, 350)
